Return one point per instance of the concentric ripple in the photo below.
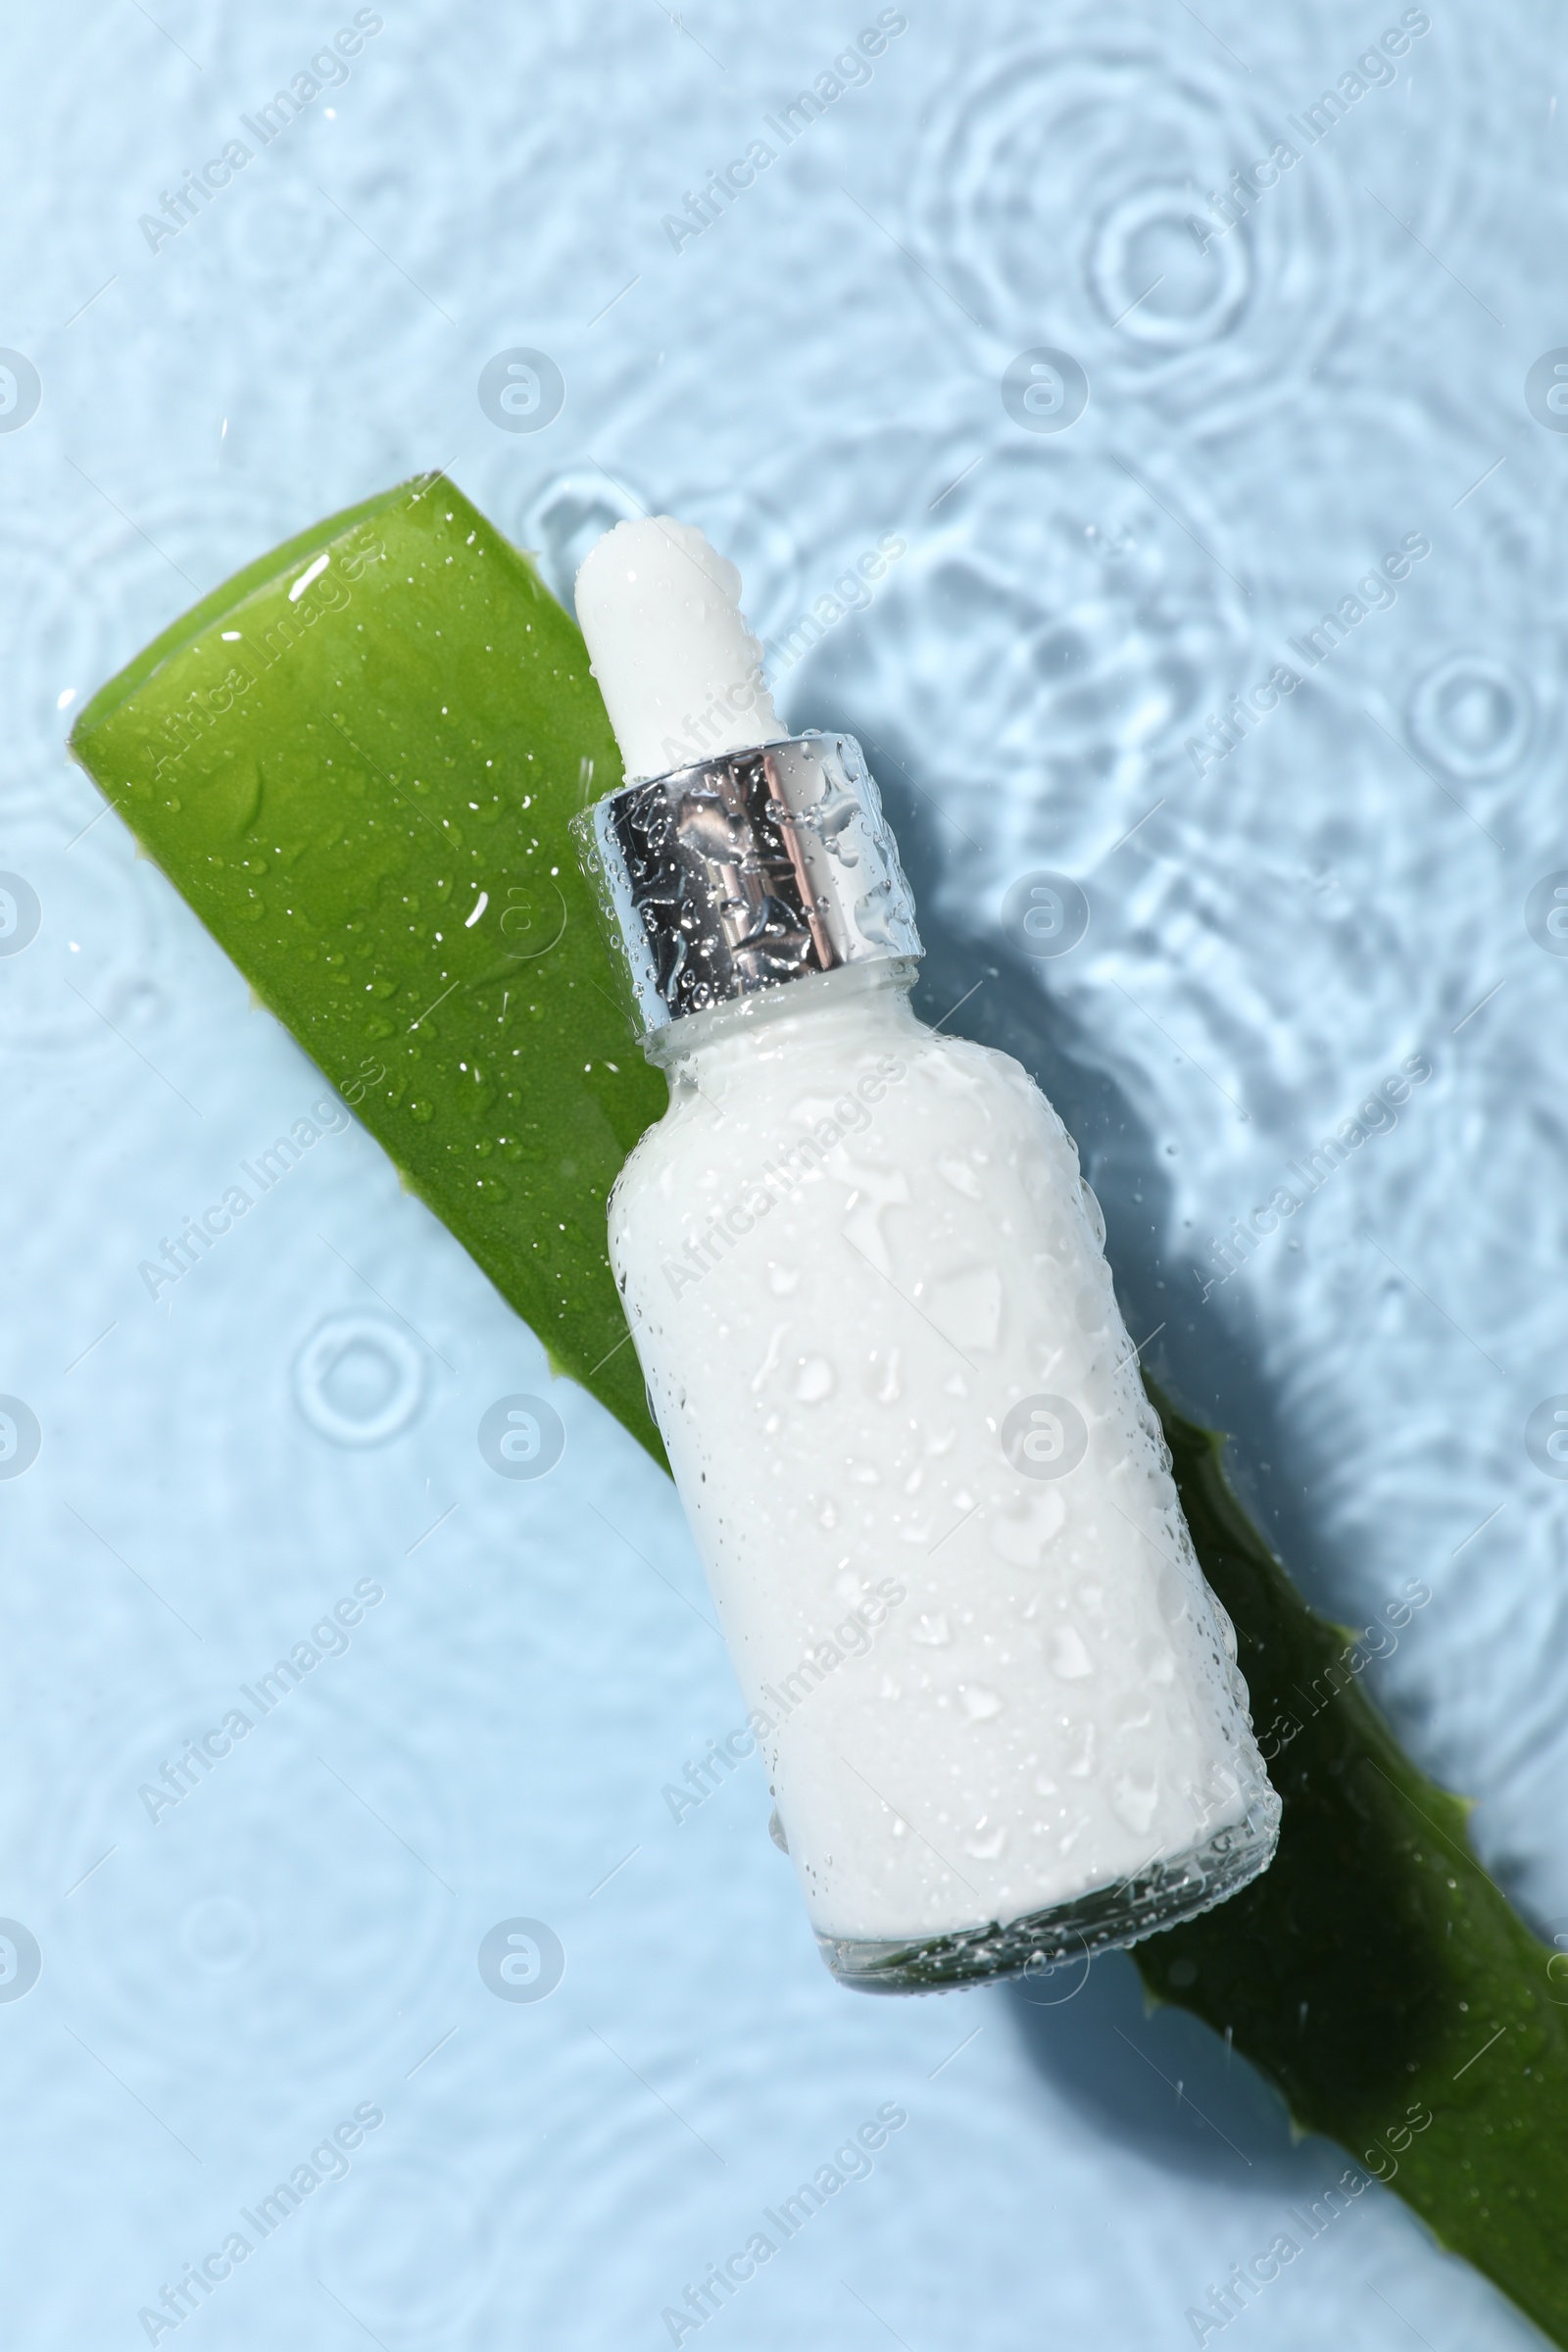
(1055, 636)
(234, 1921)
(1473, 715)
(1141, 214)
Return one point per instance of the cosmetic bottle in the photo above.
(998, 1706)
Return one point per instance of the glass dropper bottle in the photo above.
(997, 1703)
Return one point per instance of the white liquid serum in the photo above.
(997, 1703)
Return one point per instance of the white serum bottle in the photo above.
(997, 1703)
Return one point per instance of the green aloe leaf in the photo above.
(1375, 1973)
(356, 759)
(385, 725)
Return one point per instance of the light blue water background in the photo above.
(1272, 409)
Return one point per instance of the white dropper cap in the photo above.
(680, 671)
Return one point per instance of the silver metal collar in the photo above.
(746, 871)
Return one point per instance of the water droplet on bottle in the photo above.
(1068, 1654)
(1134, 1794)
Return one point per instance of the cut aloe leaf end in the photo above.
(357, 761)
